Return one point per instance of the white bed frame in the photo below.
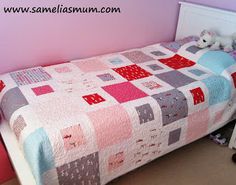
(192, 20)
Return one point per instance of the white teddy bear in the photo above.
(209, 38)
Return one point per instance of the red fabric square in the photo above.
(234, 78)
(177, 62)
(2, 85)
(93, 99)
(42, 90)
(124, 92)
(198, 95)
(132, 72)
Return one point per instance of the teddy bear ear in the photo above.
(203, 33)
(211, 33)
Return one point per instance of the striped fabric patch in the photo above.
(30, 76)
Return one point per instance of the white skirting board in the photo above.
(21, 167)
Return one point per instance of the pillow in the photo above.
(216, 61)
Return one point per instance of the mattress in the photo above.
(89, 121)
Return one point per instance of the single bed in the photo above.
(89, 121)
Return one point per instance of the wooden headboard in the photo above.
(195, 18)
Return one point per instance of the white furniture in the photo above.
(20, 165)
(232, 143)
(192, 20)
(195, 18)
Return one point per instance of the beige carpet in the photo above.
(200, 163)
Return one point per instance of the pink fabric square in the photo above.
(197, 125)
(42, 90)
(116, 161)
(91, 65)
(151, 85)
(18, 126)
(124, 92)
(73, 137)
(64, 69)
(112, 125)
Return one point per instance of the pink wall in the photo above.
(31, 39)
(224, 4)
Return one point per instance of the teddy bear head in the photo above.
(206, 39)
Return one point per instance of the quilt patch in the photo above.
(73, 137)
(116, 61)
(197, 72)
(175, 78)
(197, 125)
(145, 113)
(173, 105)
(38, 152)
(193, 49)
(93, 99)
(198, 95)
(64, 69)
(12, 100)
(177, 62)
(117, 129)
(132, 72)
(82, 171)
(219, 89)
(124, 92)
(106, 77)
(137, 57)
(158, 53)
(155, 67)
(151, 85)
(91, 65)
(115, 161)
(174, 136)
(30, 76)
(234, 78)
(18, 126)
(2, 85)
(46, 89)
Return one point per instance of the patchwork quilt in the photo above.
(89, 121)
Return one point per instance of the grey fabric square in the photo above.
(11, 101)
(193, 49)
(84, 171)
(145, 113)
(197, 72)
(174, 136)
(106, 77)
(173, 105)
(155, 67)
(158, 53)
(175, 78)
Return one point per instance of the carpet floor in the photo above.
(200, 163)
